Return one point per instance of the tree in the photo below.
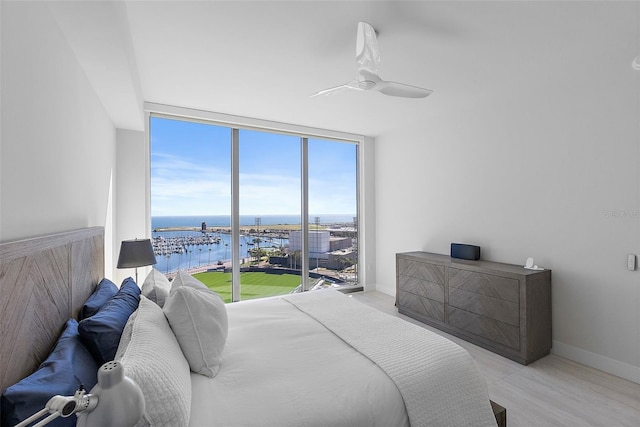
(295, 258)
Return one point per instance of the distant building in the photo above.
(325, 251)
(340, 259)
(337, 243)
(282, 260)
(319, 245)
(204, 226)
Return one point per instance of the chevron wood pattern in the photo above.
(87, 267)
(424, 288)
(424, 306)
(493, 308)
(490, 329)
(430, 272)
(43, 282)
(485, 284)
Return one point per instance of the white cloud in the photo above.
(181, 186)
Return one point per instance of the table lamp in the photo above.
(136, 253)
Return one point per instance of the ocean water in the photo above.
(225, 220)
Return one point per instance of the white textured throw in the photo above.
(152, 357)
(438, 380)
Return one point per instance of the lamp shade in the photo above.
(120, 402)
(136, 253)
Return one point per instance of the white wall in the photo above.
(131, 200)
(57, 149)
(536, 152)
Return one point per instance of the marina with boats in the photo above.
(179, 246)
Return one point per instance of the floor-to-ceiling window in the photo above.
(333, 239)
(253, 213)
(269, 205)
(191, 197)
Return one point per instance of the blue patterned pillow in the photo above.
(103, 293)
(101, 332)
(67, 367)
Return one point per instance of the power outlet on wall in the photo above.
(631, 262)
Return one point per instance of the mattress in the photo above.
(324, 359)
(283, 368)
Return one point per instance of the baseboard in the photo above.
(594, 360)
(597, 361)
(389, 290)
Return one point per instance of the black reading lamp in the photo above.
(136, 253)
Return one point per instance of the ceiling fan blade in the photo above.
(367, 51)
(367, 78)
(402, 90)
(332, 90)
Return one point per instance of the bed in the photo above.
(315, 359)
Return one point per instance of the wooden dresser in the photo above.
(504, 308)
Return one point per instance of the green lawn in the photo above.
(252, 284)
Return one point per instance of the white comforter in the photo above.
(283, 367)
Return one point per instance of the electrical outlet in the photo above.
(631, 262)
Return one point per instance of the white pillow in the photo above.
(152, 358)
(127, 333)
(156, 287)
(198, 318)
(184, 279)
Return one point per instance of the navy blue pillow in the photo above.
(69, 365)
(103, 293)
(101, 332)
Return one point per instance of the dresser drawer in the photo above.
(493, 308)
(421, 305)
(499, 287)
(423, 288)
(420, 270)
(491, 329)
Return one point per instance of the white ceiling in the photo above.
(264, 59)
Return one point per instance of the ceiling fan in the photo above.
(367, 78)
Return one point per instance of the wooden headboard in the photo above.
(43, 282)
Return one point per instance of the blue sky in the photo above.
(191, 172)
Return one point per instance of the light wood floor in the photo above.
(552, 391)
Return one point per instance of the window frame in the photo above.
(364, 186)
